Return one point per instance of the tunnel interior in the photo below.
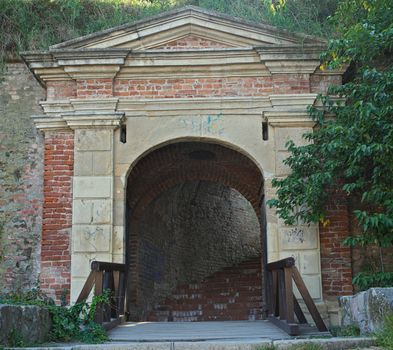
(193, 211)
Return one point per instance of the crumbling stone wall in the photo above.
(21, 178)
(189, 232)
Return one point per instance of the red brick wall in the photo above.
(336, 260)
(320, 83)
(56, 90)
(94, 88)
(191, 42)
(213, 87)
(57, 212)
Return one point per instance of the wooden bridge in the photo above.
(284, 310)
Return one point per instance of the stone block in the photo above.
(272, 237)
(92, 186)
(118, 245)
(102, 211)
(77, 284)
(83, 163)
(31, 323)
(283, 135)
(281, 168)
(118, 212)
(309, 262)
(81, 262)
(91, 238)
(102, 163)
(82, 211)
(367, 309)
(313, 284)
(93, 140)
(325, 344)
(247, 344)
(299, 237)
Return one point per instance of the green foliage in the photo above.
(385, 337)
(366, 280)
(31, 297)
(345, 331)
(68, 323)
(353, 150)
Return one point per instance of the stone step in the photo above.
(234, 293)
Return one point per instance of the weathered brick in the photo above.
(57, 215)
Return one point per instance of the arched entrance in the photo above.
(192, 210)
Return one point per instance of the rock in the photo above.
(367, 309)
(27, 323)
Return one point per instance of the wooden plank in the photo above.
(275, 293)
(116, 280)
(107, 266)
(106, 285)
(280, 264)
(299, 312)
(99, 317)
(122, 292)
(308, 300)
(281, 295)
(289, 294)
(87, 287)
(290, 328)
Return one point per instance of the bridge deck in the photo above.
(196, 331)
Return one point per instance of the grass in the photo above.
(345, 331)
(385, 337)
(304, 346)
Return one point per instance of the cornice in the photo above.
(88, 120)
(79, 120)
(127, 64)
(291, 58)
(286, 119)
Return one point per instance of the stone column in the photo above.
(92, 220)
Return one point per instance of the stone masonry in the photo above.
(21, 178)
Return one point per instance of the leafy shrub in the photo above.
(366, 280)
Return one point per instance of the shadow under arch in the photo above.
(183, 161)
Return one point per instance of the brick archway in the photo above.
(180, 163)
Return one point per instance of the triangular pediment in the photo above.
(187, 28)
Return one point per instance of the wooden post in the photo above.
(289, 294)
(308, 300)
(99, 317)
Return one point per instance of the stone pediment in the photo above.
(208, 29)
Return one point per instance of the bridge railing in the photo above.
(106, 276)
(282, 303)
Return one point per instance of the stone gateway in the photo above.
(162, 138)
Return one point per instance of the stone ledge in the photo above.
(244, 344)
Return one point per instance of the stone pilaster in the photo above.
(92, 221)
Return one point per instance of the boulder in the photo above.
(367, 309)
(27, 323)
